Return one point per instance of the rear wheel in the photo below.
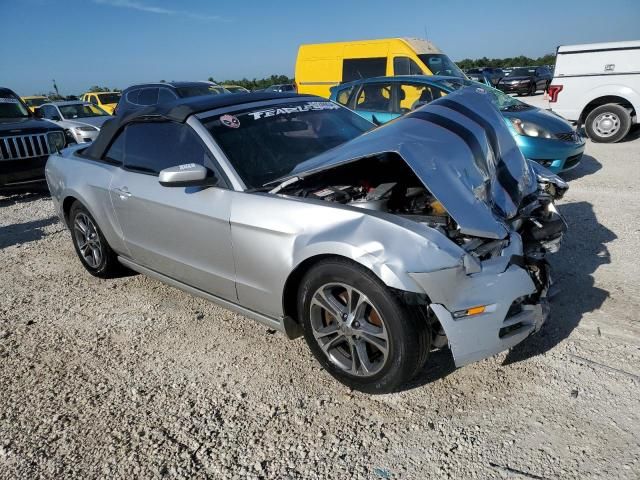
(358, 329)
(608, 123)
(90, 245)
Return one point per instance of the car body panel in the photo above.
(556, 154)
(200, 255)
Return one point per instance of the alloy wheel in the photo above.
(606, 124)
(88, 240)
(349, 329)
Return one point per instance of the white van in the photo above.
(598, 85)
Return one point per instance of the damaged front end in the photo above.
(454, 167)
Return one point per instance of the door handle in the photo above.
(123, 192)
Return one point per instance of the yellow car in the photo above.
(34, 101)
(105, 100)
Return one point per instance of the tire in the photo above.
(608, 123)
(92, 248)
(390, 341)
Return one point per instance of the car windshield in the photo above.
(107, 98)
(440, 64)
(79, 110)
(522, 72)
(502, 101)
(199, 90)
(11, 107)
(264, 144)
(35, 102)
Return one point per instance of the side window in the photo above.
(154, 146)
(357, 68)
(165, 95)
(375, 97)
(406, 66)
(93, 99)
(46, 111)
(413, 95)
(343, 95)
(132, 96)
(115, 154)
(148, 96)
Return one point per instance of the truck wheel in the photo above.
(608, 123)
(92, 248)
(358, 329)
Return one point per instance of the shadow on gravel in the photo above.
(20, 233)
(12, 197)
(588, 166)
(584, 250)
(439, 365)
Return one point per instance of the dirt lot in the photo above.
(129, 378)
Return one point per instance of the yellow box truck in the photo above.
(321, 66)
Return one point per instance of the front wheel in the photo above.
(608, 123)
(90, 245)
(358, 329)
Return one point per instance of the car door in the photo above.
(181, 232)
(373, 100)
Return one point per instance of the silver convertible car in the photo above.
(378, 245)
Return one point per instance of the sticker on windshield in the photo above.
(8, 100)
(230, 121)
(309, 106)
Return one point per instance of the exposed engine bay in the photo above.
(386, 183)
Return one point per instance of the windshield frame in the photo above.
(233, 160)
(26, 113)
(104, 94)
(456, 71)
(516, 72)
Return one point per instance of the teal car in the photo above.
(541, 135)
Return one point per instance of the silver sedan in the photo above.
(81, 120)
(377, 245)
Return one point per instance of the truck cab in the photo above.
(597, 86)
(25, 142)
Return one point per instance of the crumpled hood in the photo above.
(461, 149)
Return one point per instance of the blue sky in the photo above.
(119, 42)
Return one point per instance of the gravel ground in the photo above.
(129, 378)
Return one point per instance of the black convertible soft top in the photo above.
(177, 111)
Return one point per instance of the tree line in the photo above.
(519, 61)
(256, 83)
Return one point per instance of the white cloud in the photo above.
(143, 7)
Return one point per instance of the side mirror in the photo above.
(187, 175)
(375, 121)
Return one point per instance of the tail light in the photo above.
(554, 90)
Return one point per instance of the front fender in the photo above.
(272, 235)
